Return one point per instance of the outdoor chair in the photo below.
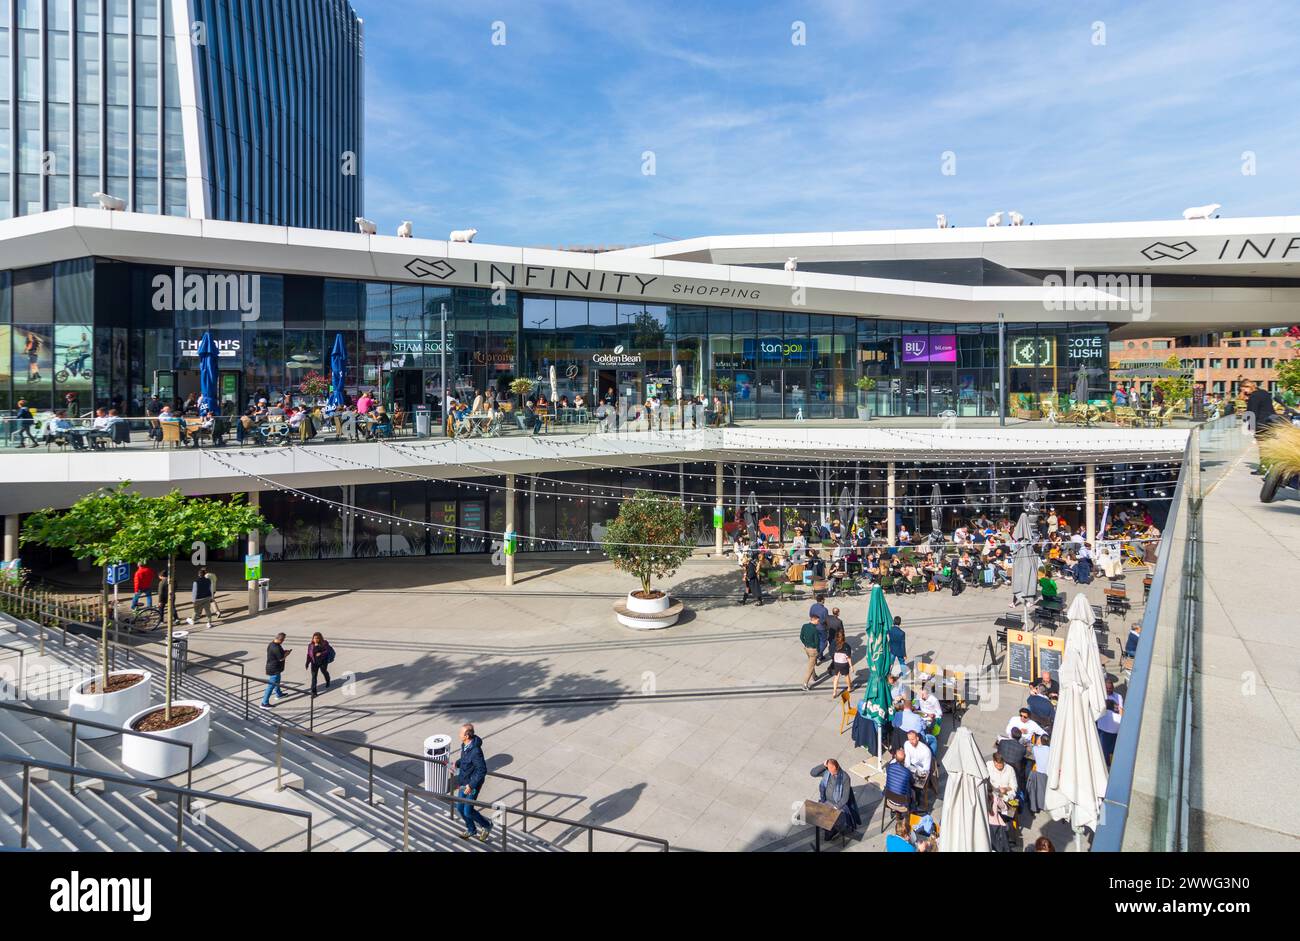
(918, 584)
(171, 433)
(886, 583)
(847, 712)
(846, 586)
(894, 807)
(121, 433)
(787, 591)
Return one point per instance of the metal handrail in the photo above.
(1109, 835)
(22, 673)
(92, 724)
(370, 762)
(187, 792)
(453, 800)
(245, 684)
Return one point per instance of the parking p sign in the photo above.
(119, 573)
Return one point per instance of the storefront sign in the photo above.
(1085, 348)
(227, 347)
(487, 358)
(252, 567)
(422, 346)
(777, 350)
(1032, 352)
(618, 358)
(935, 348)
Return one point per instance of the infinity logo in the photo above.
(439, 269)
(1158, 250)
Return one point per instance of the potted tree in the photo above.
(162, 528)
(87, 530)
(864, 384)
(648, 540)
(521, 387)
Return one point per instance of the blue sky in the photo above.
(539, 141)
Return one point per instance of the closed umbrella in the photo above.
(1076, 768)
(877, 703)
(208, 370)
(1081, 388)
(845, 509)
(555, 390)
(936, 513)
(1081, 648)
(1033, 501)
(1024, 565)
(338, 372)
(751, 515)
(965, 824)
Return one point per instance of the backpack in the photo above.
(329, 656)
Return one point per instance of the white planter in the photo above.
(864, 413)
(154, 759)
(109, 708)
(648, 605)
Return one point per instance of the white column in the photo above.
(254, 547)
(717, 492)
(11, 537)
(510, 525)
(891, 504)
(1090, 508)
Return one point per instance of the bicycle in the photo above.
(141, 620)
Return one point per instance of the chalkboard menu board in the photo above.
(1020, 657)
(1050, 650)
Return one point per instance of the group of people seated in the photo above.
(103, 429)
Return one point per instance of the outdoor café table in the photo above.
(479, 423)
(821, 817)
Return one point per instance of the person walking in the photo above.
(142, 583)
(471, 772)
(319, 657)
(24, 421)
(276, 656)
(750, 576)
(841, 663)
(898, 644)
(201, 597)
(818, 607)
(810, 638)
(831, 623)
(216, 608)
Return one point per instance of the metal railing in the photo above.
(503, 816)
(1147, 801)
(188, 793)
(22, 673)
(74, 721)
(370, 762)
(245, 684)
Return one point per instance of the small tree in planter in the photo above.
(88, 530)
(864, 384)
(521, 387)
(648, 540)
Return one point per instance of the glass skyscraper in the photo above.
(242, 110)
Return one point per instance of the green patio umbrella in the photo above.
(877, 704)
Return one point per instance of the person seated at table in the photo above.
(918, 758)
(60, 426)
(563, 403)
(798, 545)
(899, 778)
(1023, 722)
(1015, 750)
(1083, 565)
(542, 405)
(579, 401)
(965, 566)
(836, 790)
(904, 537)
(816, 564)
(381, 423)
(101, 429)
(930, 706)
(1040, 706)
(1003, 782)
(909, 720)
(1047, 586)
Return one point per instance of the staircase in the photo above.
(241, 763)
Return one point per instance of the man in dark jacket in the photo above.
(276, 655)
(751, 583)
(810, 638)
(898, 641)
(471, 772)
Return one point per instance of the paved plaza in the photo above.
(699, 734)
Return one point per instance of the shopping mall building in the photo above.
(111, 306)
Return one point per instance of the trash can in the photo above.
(263, 593)
(436, 772)
(422, 421)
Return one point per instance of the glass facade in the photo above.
(116, 332)
(91, 101)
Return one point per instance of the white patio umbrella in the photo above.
(1076, 768)
(1024, 566)
(965, 824)
(555, 390)
(1081, 648)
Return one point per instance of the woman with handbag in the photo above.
(319, 657)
